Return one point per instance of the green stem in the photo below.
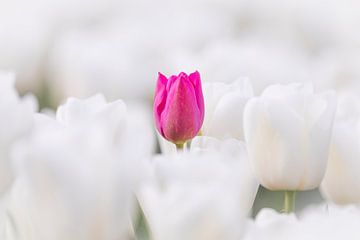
(179, 146)
(141, 228)
(289, 201)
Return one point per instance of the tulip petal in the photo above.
(320, 135)
(180, 119)
(195, 80)
(289, 135)
(227, 118)
(160, 100)
(171, 80)
(162, 81)
(343, 166)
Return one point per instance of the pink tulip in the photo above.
(179, 107)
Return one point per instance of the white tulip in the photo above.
(224, 108)
(77, 173)
(288, 130)
(16, 122)
(341, 183)
(70, 186)
(198, 195)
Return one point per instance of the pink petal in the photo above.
(181, 118)
(196, 81)
(160, 100)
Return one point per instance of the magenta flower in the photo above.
(179, 107)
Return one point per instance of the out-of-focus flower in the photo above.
(321, 222)
(67, 177)
(94, 110)
(233, 153)
(224, 108)
(24, 45)
(182, 200)
(341, 183)
(106, 57)
(269, 224)
(265, 61)
(129, 128)
(288, 130)
(140, 129)
(16, 122)
(81, 167)
(179, 107)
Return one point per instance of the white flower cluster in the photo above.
(89, 170)
(75, 172)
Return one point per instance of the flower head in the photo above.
(288, 131)
(179, 106)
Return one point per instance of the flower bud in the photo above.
(179, 107)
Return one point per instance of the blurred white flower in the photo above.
(28, 29)
(321, 222)
(130, 128)
(141, 130)
(16, 122)
(198, 195)
(287, 131)
(270, 224)
(70, 186)
(24, 39)
(94, 111)
(77, 173)
(106, 58)
(233, 153)
(321, 30)
(224, 108)
(341, 183)
(264, 61)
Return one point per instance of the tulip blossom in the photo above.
(288, 130)
(179, 107)
(80, 168)
(67, 176)
(341, 183)
(181, 200)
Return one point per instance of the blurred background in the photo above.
(61, 48)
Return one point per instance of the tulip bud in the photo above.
(179, 107)
(288, 130)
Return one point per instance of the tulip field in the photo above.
(179, 120)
